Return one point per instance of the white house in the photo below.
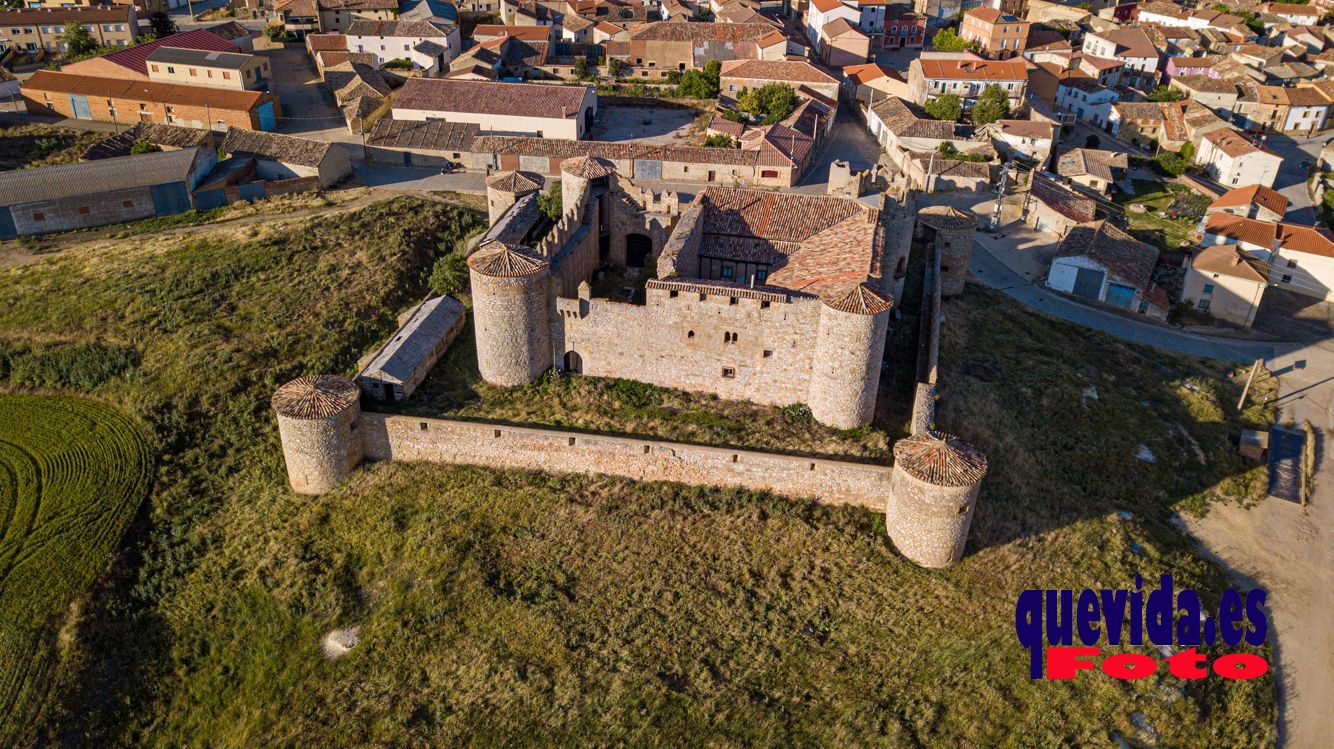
(1099, 262)
(1030, 139)
(1233, 159)
(821, 12)
(1307, 110)
(1089, 100)
(500, 108)
(1298, 15)
(1133, 48)
(430, 48)
(967, 76)
(1300, 258)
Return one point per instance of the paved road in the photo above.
(1291, 180)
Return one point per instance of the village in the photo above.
(796, 207)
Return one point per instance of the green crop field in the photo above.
(510, 608)
(72, 473)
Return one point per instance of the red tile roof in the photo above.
(1263, 234)
(136, 58)
(166, 93)
(487, 97)
(973, 70)
(799, 71)
(1265, 197)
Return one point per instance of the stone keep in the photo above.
(511, 304)
(317, 424)
(950, 231)
(504, 189)
(849, 346)
(932, 493)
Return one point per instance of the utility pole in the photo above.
(1000, 193)
(1254, 368)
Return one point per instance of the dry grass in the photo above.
(29, 146)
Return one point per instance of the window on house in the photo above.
(155, 69)
(193, 73)
(171, 69)
(83, 209)
(1204, 304)
(763, 305)
(226, 76)
(768, 354)
(1208, 288)
(690, 334)
(729, 373)
(673, 294)
(127, 204)
(1287, 279)
(39, 216)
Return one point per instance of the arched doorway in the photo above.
(638, 249)
(574, 364)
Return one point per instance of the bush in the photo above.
(143, 146)
(635, 394)
(948, 107)
(398, 64)
(549, 202)
(949, 152)
(701, 84)
(948, 40)
(78, 40)
(1171, 164)
(993, 104)
(1165, 93)
(769, 103)
(582, 69)
(450, 274)
(719, 141)
(276, 33)
(162, 25)
(617, 67)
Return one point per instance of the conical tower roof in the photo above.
(940, 459)
(315, 397)
(502, 260)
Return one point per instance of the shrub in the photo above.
(162, 25)
(398, 64)
(450, 274)
(949, 152)
(948, 107)
(635, 394)
(719, 141)
(797, 412)
(549, 202)
(948, 40)
(1165, 93)
(617, 67)
(582, 69)
(276, 32)
(701, 84)
(992, 105)
(143, 146)
(1170, 163)
(769, 103)
(78, 39)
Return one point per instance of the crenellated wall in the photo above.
(410, 438)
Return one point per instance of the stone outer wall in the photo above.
(924, 408)
(680, 342)
(955, 249)
(321, 453)
(408, 438)
(849, 348)
(497, 202)
(928, 523)
(511, 319)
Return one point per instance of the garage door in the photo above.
(1120, 295)
(648, 170)
(1088, 283)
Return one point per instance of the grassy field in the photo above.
(505, 607)
(1165, 232)
(72, 473)
(27, 146)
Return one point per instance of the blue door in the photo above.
(170, 198)
(79, 107)
(7, 230)
(1120, 295)
(266, 119)
(252, 191)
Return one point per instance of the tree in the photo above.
(719, 141)
(78, 39)
(1170, 163)
(993, 104)
(616, 67)
(947, 40)
(769, 103)
(450, 274)
(549, 202)
(143, 146)
(161, 24)
(1165, 93)
(1187, 152)
(582, 70)
(948, 107)
(701, 84)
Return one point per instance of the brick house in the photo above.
(126, 102)
(33, 29)
(1000, 35)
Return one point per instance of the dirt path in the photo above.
(1287, 550)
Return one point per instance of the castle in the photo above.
(770, 297)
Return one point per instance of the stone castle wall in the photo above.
(321, 453)
(679, 340)
(408, 438)
(511, 317)
(849, 348)
(929, 523)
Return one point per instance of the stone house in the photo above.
(1028, 139)
(1218, 95)
(1227, 282)
(429, 47)
(1053, 208)
(966, 75)
(659, 48)
(283, 157)
(842, 44)
(1252, 201)
(500, 108)
(96, 193)
(738, 75)
(1133, 48)
(1099, 262)
(1094, 169)
(1089, 100)
(870, 82)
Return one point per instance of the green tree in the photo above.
(769, 103)
(993, 104)
(143, 146)
(616, 67)
(719, 141)
(948, 40)
(1170, 163)
(948, 107)
(1165, 93)
(450, 274)
(582, 69)
(549, 202)
(78, 39)
(701, 84)
(162, 25)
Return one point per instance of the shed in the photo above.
(402, 363)
(282, 157)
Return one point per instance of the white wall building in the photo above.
(428, 47)
(544, 111)
(1234, 160)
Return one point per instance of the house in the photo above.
(1089, 100)
(419, 143)
(872, 18)
(1046, 45)
(1147, 122)
(132, 63)
(936, 74)
(1027, 139)
(902, 128)
(904, 28)
(400, 365)
(1052, 207)
(1098, 170)
(938, 13)
(1220, 96)
(1204, 65)
(1169, 14)
(1303, 40)
(303, 17)
(1101, 263)
(737, 75)
(1297, 15)
(657, 49)
(128, 101)
(1104, 71)
(842, 44)
(429, 47)
(869, 82)
(1308, 109)
(31, 30)
(999, 35)
(1227, 282)
(1300, 258)
(500, 108)
(1133, 48)
(1252, 201)
(281, 157)
(1232, 158)
(195, 67)
(97, 193)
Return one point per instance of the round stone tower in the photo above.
(504, 189)
(951, 231)
(317, 424)
(511, 306)
(849, 347)
(575, 175)
(932, 493)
